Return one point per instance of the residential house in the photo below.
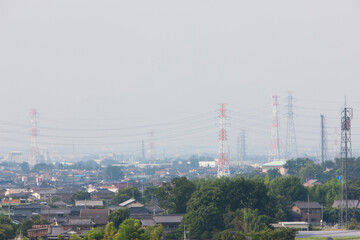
(99, 216)
(169, 222)
(65, 194)
(279, 165)
(89, 203)
(21, 212)
(103, 194)
(304, 211)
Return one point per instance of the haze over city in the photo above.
(104, 74)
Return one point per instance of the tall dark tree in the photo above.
(118, 216)
(113, 173)
(287, 190)
(25, 167)
(124, 194)
(293, 166)
(80, 195)
(174, 196)
(205, 211)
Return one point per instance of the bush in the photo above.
(278, 234)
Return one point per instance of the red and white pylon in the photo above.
(223, 154)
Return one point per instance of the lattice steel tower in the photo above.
(323, 139)
(275, 137)
(34, 150)
(223, 154)
(290, 145)
(346, 153)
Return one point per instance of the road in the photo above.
(339, 233)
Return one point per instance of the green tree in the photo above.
(273, 173)
(80, 195)
(205, 211)
(174, 196)
(113, 173)
(75, 237)
(278, 234)
(230, 235)
(310, 171)
(7, 228)
(118, 216)
(249, 220)
(95, 234)
(249, 193)
(293, 166)
(42, 167)
(124, 194)
(287, 190)
(25, 167)
(27, 224)
(325, 193)
(153, 232)
(130, 229)
(149, 193)
(110, 231)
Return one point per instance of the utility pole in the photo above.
(323, 140)
(223, 154)
(346, 153)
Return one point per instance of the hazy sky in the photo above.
(111, 64)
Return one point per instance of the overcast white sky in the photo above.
(111, 64)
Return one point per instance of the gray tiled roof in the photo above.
(305, 205)
(351, 203)
(168, 218)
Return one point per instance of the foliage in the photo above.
(130, 229)
(149, 193)
(110, 231)
(273, 173)
(113, 173)
(248, 220)
(75, 237)
(25, 167)
(247, 193)
(95, 234)
(118, 216)
(287, 190)
(325, 193)
(205, 211)
(278, 234)
(293, 166)
(80, 195)
(42, 167)
(124, 194)
(230, 235)
(153, 232)
(174, 196)
(108, 162)
(27, 224)
(7, 228)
